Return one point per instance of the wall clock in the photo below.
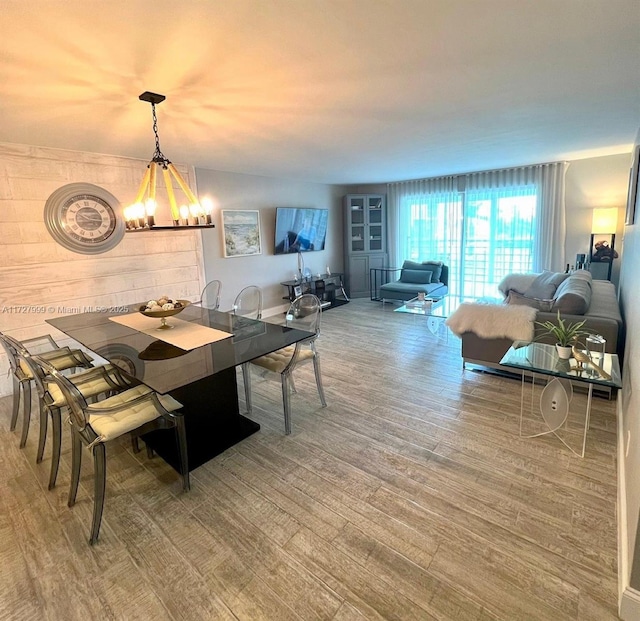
(84, 218)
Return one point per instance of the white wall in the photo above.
(36, 273)
(239, 191)
(629, 409)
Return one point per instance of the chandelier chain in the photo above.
(158, 156)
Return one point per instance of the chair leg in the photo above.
(26, 412)
(99, 484)
(42, 438)
(246, 380)
(56, 424)
(76, 462)
(292, 384)
(150, 452)
(135, 444)
(286, 404)
(17, 387)
(181, 437)
(316, 369)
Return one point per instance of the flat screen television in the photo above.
(300, 229)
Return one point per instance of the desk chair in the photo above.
(248, 303)
(210, 297)
(136, 410)
(304, 313)
(60, 357)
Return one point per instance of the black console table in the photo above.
(328, 287)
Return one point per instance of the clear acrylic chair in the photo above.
(248, 303)
(60, 357)
(210, 297)
(304, 313)
(136, 411)
(98, 381)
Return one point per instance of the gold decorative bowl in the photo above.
(163, 314)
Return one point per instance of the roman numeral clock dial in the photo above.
(84, 218)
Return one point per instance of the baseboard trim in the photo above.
(628, 598)
(629, 606)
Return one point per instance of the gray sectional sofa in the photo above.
(577, 296)
(429, 277)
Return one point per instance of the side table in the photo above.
(554, 407)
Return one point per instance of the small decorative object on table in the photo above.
(162, 308)
(566, 334)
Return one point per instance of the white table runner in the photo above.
(184, 334)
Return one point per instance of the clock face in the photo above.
(88, 218)
(84, 218)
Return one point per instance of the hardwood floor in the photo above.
(411, 496)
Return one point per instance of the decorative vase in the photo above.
(564, 353)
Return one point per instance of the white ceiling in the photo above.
(334, 91)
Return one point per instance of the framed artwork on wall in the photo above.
(633, 197)
(241, 233)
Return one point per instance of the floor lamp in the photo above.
(603, 237)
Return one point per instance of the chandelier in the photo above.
(140, 215)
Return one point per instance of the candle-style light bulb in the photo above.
(207, 208)
(184, 214)
(150, 210)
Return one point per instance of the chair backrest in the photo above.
(9, 346)
(248, 302)
(305, 313)
(72, 396)
(210, 297)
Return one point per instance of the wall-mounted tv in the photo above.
(300, 229)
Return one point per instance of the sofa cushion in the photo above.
(545, 285)
(573, 296)
(522, 300)
(516, 282)
(436, 268)
(419, 277)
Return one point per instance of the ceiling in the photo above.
(333, 91)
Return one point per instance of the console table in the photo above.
(328, 287)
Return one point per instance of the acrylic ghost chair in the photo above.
(248, 303)
(98, 381)
(61, 358)
(136, 411)
(210, 297)
(304, 313)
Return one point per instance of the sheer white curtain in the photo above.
(550, 225)
(482, 225)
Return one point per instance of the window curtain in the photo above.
(483, 225)
(549, 183)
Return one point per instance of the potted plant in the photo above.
(566, 334)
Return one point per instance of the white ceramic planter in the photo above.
(564, 353)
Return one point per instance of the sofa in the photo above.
(429, 277)
(576, 296)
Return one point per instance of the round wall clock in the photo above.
(84, 218)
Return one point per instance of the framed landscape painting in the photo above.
(241, 232)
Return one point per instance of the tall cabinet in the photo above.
(365, 229)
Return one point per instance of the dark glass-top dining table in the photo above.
(203, 379)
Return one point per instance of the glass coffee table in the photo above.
(436, 309)
(553, 406)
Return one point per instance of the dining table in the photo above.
(202, 377)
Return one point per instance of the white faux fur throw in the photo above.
(517, 282)
(490, 321)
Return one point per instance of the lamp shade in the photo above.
(605, 220)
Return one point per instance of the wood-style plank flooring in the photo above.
(411, 496)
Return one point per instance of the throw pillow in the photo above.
(521, 300)
(418, 277)
(545, 285)
(436, 268)
(573, 296)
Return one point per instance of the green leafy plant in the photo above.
(566, 334)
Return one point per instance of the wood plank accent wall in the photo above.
(40, 279)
